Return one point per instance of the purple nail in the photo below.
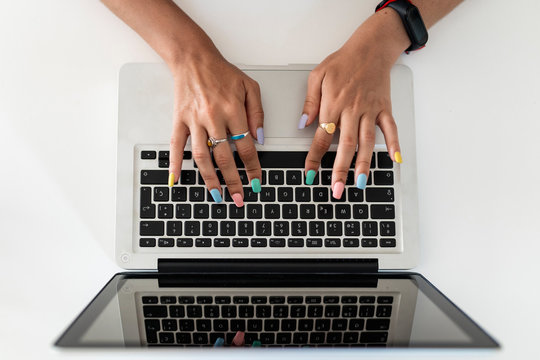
(303, 121)
(260, 135)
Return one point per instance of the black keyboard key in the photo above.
(325, 211)
(203, 242)
(281, 311)
(332, 242)
(220, 177)
(151, 228)
(382, 212)
(179, 194)
(384, 311)
(367, 299)
(148, 155)
(188, 177)
(316, 228)
(194, 311)
(384, 161)
(331, 299)
(183, 338)
(240, 242)
(302, 194)
(385, 243)
(281, 228)
(161, 193)
(228, 311)
(366, 311)
(295, 242)
(183, 211)
(264, 311)
(350, 178)
(277, 242)
(166, 338)
(295, 300)
(339, 324)
(192, 228)
(186, 299)
(243, 177)
(211, 311)
(315, 311)
(320, 194)
(373, 337)
(219, 211)
(259, 300)
(334, 228)
(276, 177)
(307, 211)
(227, 228)
(300, 338)
(268, 194)
(356, 324)
(254, 325)
(176, 311)
(150, 300)
(277, 299)
(349, 299)
(165, 242)
(165, 211)
(271, 211)
(221, 325)
(305, 324)
(349, 311)
(174, 228)
(201, 211)
(254, 211)
(333, 338)
(169, 325)
(147, 209)
(343, 211)
(328, 159)
(236, 212)
(316, 338)
(288, 325)
(187, 155)
(360, 212)
(186, 325)
(369, 242)
(164, 155)
(222, 242)
(355, 195)
(350, 338)
(313, 299)
(249, 195)
(263, 228)
(267, 338)
(154, 177)
(196, 193)
(290, 211)
(285, 194)
(294, 177)
(378, 324)
(283, 338)
(245, 228)
(387, 228)
(352, 228)
(351, 242)
(322, 324)
(332, 311)
(383, 177)
(326, 177)
(223, 300)
(314, 242)
(200, 338)
(298, 228)
(369, 228)
(245, 311)
(203, 325)
(379, 194)
(258, 242)
(210, 228)
(155, 311)
(147, 242)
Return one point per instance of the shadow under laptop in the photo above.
(279, 310)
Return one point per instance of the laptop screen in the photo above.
(267, 311)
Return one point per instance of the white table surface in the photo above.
(477, 116)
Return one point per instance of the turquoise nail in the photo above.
(310, 176)
(256, 343)
(219, 342)
(216, 195)
(361, 181)
(256, 185)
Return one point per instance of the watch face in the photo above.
(417, 27)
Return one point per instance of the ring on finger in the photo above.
(330, 128)
(240, 136)
(213, 142)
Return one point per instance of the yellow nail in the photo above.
(397, 156)
(171, 179)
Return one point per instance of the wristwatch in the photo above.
(414, 25)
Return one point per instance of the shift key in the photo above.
(151, 228)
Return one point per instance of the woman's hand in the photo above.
(351, 89)
(215, 99)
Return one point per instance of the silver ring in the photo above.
(240, 136)
(213, 142)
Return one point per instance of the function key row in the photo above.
(291, 299)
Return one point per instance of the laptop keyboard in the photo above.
(274, 320)
(286, 216)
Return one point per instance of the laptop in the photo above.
(294, 267)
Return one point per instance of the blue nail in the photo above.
(361, 181)
(303, 121)
(219, 342)
(310, 176)
(256, 185)
(260, 135)
(216, 195)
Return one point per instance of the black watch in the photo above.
(414, 25)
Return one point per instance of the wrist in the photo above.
(195, 51)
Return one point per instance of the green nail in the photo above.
(310, 176)
(256, 185)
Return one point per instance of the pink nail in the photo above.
(238, 339)
(238, 201)
(337, 191)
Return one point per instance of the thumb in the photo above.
(254, 111)
(313, 99)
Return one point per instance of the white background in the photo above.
(477, 116)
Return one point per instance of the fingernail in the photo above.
(310, 176)
(337, 191)
(216, 195)
(238, 201)
(397, 156)
(303, 121)
(260, 135)
(219, 342)
(361, 181)
(256, 343)
(238, 339)
(171, 179)
(256, 185)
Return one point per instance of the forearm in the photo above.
(165, 27)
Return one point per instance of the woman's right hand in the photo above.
(213, 98)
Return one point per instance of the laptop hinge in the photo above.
(266, 266)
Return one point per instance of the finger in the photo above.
(201, 154)
(348, 140)
(224, 159)
(254, 111)
(176, 151)
(320, 144)
(389, 128)
(365, 150)
(313, 99)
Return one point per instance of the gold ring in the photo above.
(330, 128)
(213, 142)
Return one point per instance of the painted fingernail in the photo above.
(256, 185)
(238, 201)
(337, 191)
(256, 343)
(171, 179)
(216, 195)
(310, 176)
(260, 135)
(303, 121)
(361, 181)
(397, 156)
(238, 339)
(219, 342)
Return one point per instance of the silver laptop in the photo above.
(292, 268)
